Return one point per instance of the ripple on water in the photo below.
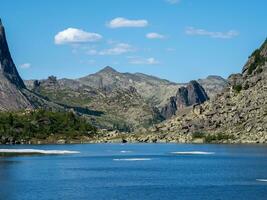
(193, 153)
(132, 159)
(36, 151)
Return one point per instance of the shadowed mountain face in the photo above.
(11, 97)
(240, 110)
(7, 66)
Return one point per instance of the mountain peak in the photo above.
(7, 66)
(108, 69)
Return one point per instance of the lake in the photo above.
(136, 171)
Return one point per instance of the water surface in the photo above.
(136, 171)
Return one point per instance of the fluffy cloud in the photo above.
(120, 22)
(117, 49)
(173, 1)
(25, 65)
(73, 35)
(143, 61)
(202, 32)
(154, 36)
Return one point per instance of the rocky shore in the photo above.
(118, 137)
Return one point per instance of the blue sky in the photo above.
(179, 40)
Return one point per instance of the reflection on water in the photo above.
(136, 171)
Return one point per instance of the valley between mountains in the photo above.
(110, 106)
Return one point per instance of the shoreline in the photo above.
(130, 140)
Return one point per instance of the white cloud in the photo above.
(118, 49)
(154, 36)
(143, 61)
(25, 65)
(120, 22)
(173, 1)
(202, 32)
(73, 35)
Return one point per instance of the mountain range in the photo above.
(127, 100)
(138, 102)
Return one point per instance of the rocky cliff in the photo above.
(11, 96)
(192, 94)
(239, 112)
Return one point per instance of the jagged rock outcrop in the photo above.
(170, 109)
(192, 94)
(239, 111)
(187, 96)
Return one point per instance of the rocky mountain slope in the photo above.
(154, 90)
(239, 112)
(115, 108)
(213, 85)
(127, 101)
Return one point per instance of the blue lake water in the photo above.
(136, 171)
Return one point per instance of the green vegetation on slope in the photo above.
(40, 124)
(259, 60)
(237, 88)
(212, 138)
